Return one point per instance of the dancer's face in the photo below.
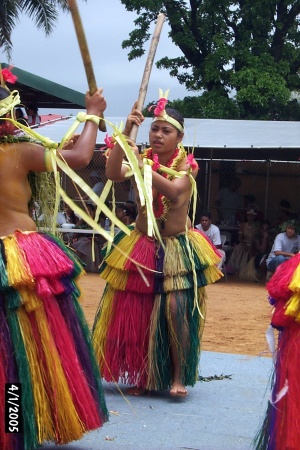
(164, 137)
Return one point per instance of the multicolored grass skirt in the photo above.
(281, 426)
(134, 327)
(45, 344)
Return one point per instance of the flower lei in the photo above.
(162, 203)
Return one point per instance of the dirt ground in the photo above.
(238, 314)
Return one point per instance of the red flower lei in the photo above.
(161, 204)
(6, 128)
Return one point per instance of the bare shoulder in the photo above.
(32, 155)
(22, 156)
(186, 167)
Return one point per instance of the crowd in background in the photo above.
(253, 238)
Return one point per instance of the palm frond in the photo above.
(45, 14)
(9, 16)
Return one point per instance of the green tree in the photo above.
(243, 56)
(44, 12)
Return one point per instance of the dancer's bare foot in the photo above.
(136, 391)
(178, 390)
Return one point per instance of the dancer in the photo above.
(46, 353)
(281, 426)
(147, 334)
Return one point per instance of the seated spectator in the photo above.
(249, 203)
(19, 116)
(70, 216)
(242, 252)
(256, 268)
(33, 117)
(126, 213)
(213, 233)
(284, 215)
(66, 215)
(285, 246)
(130, 212)
(262, 244)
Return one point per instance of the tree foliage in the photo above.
(242, 56)
(45, 14)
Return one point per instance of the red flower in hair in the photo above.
(191, 161)
(160, 107)
(8, 76)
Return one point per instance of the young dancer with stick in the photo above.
(50, 387)
(147, 331)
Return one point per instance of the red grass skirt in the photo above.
(281, 427)
(133, 329)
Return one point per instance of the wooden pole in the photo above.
(85, 54)
(147, 70)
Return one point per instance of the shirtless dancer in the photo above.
(44, 339)
(149, 335)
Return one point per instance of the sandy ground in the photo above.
(238, 314)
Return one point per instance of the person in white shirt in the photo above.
(286, 245)
(213, 233)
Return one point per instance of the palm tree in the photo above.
(44, 12)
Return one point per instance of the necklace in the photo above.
(161, 204)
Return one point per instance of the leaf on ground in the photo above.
(214, 377)
(107, 438)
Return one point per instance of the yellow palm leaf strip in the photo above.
(94, 197)
(141, 186)
(188, 246)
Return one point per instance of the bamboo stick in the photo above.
(85, 54)
(147, 70)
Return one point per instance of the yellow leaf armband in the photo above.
(48, 161)
(83, 117)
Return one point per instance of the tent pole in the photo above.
(267, 188)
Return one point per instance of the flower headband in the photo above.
(8, 104)
(160, 111)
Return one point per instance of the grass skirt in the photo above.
(45, 344)
(133, 328)
(281, 426)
